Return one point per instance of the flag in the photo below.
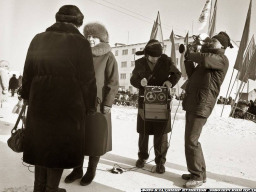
(244, 72)
(252, 66)
(156, 32)
(173, 52)
(212, 24)
(203, 18)
(182, 65)
(244, 40)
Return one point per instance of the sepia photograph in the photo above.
(127, 96)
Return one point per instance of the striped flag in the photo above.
(173, 52)
(203, 18)
(244, 72)
(156, 32)
(239, 59)
(212, 24)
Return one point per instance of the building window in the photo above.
(125, 52)
(132, 63)
(116, 53)
(123, 64)
(133, 50)
(122, 76)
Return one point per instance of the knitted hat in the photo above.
(96, 30)
(70, 14)
(224, 39)
(153, 48)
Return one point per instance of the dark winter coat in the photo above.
(13, 83)
(204, 81)
(59, 82)
(163, 71)
(106, 72)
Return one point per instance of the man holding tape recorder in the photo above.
(154, 74)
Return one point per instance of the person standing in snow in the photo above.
(59, 86)
(13, 84)
(202, 90)
(106, 71)
(154, 69)
(4, 66)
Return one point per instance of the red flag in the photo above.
(173, 52)
(244, 40)
(244, 72)
(182, 65)
(212, 24)
(156, 32)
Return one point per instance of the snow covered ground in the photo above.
(228, 145)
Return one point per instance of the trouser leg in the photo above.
(143, 146)
(53, 179)
(193, 150)
(40, 179)
(160, 146)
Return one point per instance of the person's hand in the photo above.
(168, 84)
(91, 111)
(106, 109)
(144, 82)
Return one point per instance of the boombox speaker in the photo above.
(156, 103)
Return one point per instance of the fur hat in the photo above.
(153, 48)
(70, 14)
(224, 39)
(96, 30)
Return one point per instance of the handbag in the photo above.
(16, 141)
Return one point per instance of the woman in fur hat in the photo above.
(106, 73)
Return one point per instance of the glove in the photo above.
(106, 109)
(91, 111)
(144, 82)
(168, 84)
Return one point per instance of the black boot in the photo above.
(53, 180)
(91, 171)
(40, 179)
(77, 173)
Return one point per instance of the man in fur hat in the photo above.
(202, 90)
(154, 69)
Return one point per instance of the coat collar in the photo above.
(101, 49)
(63, 28)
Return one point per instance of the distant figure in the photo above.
(4, 66)
(220, 100)
(20, 80)
(13, 84)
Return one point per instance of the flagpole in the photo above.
(227, 91)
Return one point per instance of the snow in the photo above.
(228, 145)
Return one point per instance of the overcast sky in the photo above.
(128, 21)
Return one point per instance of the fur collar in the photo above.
(64, 28)
(101, 49)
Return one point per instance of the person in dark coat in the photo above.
(13, 84)
(154, 69)
(59, 86)
(202, 90)
(106, 71)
